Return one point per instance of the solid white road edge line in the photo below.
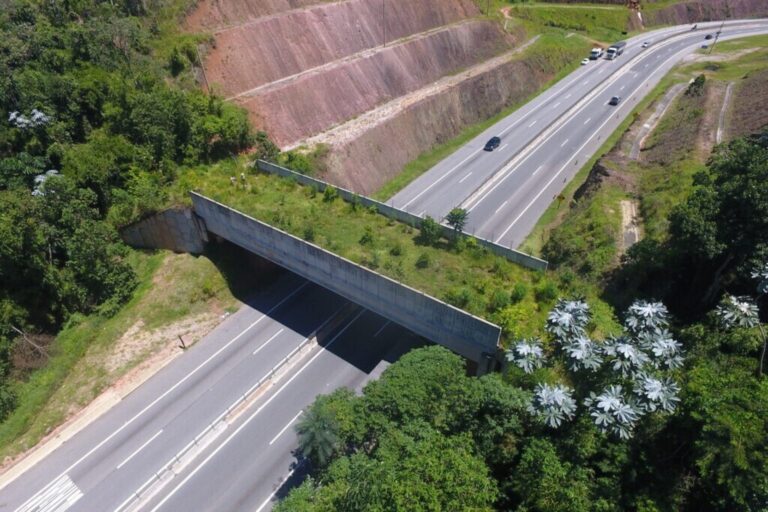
(139, 449)
(272, 495)
(285, 428)
(251, 417)
(169, 391)
(441, 178)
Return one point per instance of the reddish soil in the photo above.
(267, 49)
(210, 15)
(706, 10)
(315, 101)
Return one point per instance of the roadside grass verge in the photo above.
(603, 23)
(553, 51)
(662, 179)
(557, 211)
(458, 272)
(90, 352)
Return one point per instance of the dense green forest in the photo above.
(94, 122)
(669, 414)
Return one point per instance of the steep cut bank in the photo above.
(264, 50)
(694, 11)
(364, 158)
(315, 101)
(212, 15)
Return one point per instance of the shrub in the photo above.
(429, 231)
(500, 299)
(396, 249)
(330, 194)
(309, 234)
(518, 293)
(423, 261)
(546, 291)
(367, 238)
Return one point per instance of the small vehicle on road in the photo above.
(615, 100)
(704, 46)
(694, 27)
(646, 44)
(584, 62)
(708, 36)
(492, 144)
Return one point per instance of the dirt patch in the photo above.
(749, 113)
(630, 225)
(295, 109)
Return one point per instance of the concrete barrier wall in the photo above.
(465, 334)
(175, 229)
(402, 216)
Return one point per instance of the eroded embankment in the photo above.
(365, 159)
(694, 11)
(315, 101)
(264, 50)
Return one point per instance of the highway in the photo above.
(213, 430)
(187, 430)
(545, 143)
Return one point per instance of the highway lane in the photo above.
(469, 171)
(106, 458)
(246, 469)
(438, 190)
(507, 208)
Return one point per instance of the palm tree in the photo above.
(318, 436)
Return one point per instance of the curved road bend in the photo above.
(508, 189)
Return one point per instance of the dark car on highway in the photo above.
(615, 100)
(492, 144)
(708, 36)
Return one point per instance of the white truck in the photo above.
(615, 50)
(596, 53)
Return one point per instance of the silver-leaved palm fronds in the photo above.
(656, 394)
(737, 312)
(644, 316)
(568, 318)
(761, 274)
(625, 355)
(553, 404)
(527, 354)
(613, 412)
(583, 353)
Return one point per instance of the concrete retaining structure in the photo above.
(177, 229)
(402, 216)
(465, 334)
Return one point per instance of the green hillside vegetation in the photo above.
(604, 23)
(97, 115)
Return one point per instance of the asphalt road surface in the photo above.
(544, 143)
(177, 442)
